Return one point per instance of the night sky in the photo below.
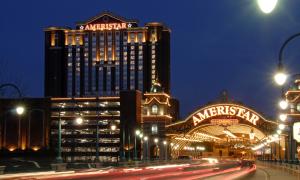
(215, 44)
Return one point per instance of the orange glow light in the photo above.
(12, 148)
(35, 148)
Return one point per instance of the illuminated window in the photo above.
(154, 129)
(154, 109)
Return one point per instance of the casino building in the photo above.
(107, 72)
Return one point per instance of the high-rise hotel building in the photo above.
(100, 72)
(105, 55)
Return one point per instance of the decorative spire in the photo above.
(224, 96)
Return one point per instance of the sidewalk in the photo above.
(270, 171)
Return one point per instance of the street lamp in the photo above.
(267, 6)
(283, 104)
(166, 149)
(79, 120)
(59, 158)
(113, 127)
(20, 110)
(282, 117)
(156, 150)
(137, 133)
(146, 140)
(280, 78)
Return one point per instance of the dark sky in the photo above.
(215, 44)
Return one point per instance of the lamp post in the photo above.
(112, 128)
(59, 158)
(146, 140)
(156, 149)
(137, 133)
(20, 111)
(97, 134)
(280, 78)
(166, 150)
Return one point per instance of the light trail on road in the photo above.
(187, 171)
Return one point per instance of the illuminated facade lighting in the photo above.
(230, 134)
(186, 139)
(281, 126)
(207, 136)
(106, 48)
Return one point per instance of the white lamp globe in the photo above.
(283, 117)
(280, 78)
(267, 6)
(283, 104)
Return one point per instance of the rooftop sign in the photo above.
(105, 26)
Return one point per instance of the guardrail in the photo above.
(290, 166)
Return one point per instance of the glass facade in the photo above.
(112, 61)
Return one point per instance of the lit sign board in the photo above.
(296, 131)
(225, 122)
(105, 26)
(226, 110)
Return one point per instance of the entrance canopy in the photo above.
(222, 124)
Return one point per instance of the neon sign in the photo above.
(225, 110)
(105, 26)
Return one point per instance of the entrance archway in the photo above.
(222, 129)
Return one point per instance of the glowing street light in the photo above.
(166, 150)
(137, 132)
(113, 127)
(20, 110)
(280, 78)
(146, 140)
(79, 120)
(283, 104)
(279, 131)
(267, 6)
(141, 135)
(156, 140)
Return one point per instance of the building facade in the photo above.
(28, 132)
(105, 126)
(105, 55)
(103, 72)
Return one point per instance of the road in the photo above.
(209, 170)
